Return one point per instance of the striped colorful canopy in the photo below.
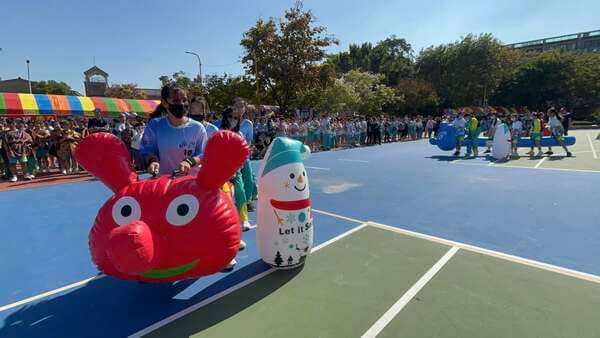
(61, 105)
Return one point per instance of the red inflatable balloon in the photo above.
(164, 229)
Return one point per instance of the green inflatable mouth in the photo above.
(171, 272)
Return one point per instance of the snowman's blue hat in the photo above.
(285, 151)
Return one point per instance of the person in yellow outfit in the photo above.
(472, 134)
(536, 135)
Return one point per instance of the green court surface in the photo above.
(379, 281)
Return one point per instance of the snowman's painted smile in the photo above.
(304, 187)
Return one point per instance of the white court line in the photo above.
(238, 286)
(532, 168)
(492, 253)
(592, 145)
(348, 160)
(393, 311)
(338, 216)
(540, 162)
(87, 280)
(50, 293)
(317, 168)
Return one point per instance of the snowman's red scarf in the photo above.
(291, 205)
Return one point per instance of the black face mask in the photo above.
(198, 118)
(178, 110)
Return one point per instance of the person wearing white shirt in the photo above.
(516, 128)
(459, 124)
(557, 130)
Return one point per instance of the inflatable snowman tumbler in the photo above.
(284, 229)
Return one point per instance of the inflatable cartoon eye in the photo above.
(292, 175)
(126, 210)
(182, 210)
(303, 173)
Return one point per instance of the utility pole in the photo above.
(199, 65)
(28, 77)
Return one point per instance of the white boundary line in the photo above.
(348, 160)
(540, 162)
(592, 146)
(393, 311)
(531, 168)
(87, 280)
(317, 168)
(492, 253)
(338, 216)
(50, 293)
(238, 286)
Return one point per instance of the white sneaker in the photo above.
(540, 154)
(29, 177)
(64, 172)
(242, 246)
(13, 179)
(230, 266)
(246, 226)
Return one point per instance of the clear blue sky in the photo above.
(137, 41)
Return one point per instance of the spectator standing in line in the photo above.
(17, 144)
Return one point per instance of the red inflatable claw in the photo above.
(164, 229)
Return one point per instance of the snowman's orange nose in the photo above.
(300, 179)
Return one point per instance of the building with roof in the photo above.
(17, 85)
(584, 41)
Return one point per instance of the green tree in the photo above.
(391, 57)
(372, 95)
(419, 97)
(193, 86)
(223, 89)
(283, 57)
(466, 72)
(541, 80)
(125, 91)
(52, 87)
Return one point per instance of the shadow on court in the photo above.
(108, 307)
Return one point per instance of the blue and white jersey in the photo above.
(247, 130)
(210, 129)
(173, 144)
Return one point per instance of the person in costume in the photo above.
(472, 134)
(229, 122)
(493, 122)
(516, 128)
(557, 130)
(247, 130)
(459, 124)
(536, 135)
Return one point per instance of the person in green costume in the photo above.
(472, 134)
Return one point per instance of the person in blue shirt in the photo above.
(173, 142)
(199, 111)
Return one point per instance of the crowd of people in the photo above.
(555, 123)
(41, 146)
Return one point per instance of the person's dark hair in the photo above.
(165, 93)
(225, 124)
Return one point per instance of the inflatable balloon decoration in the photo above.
(166, 228)
(446, 140)
(284, 231)
(501, 144)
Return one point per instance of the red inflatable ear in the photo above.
(225, 153)
(107, 158)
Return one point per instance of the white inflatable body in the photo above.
(501, 143)
(284, 230)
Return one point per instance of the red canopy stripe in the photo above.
(13, 104)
